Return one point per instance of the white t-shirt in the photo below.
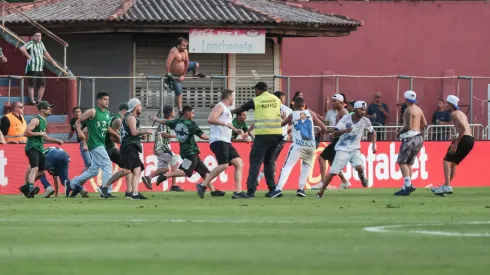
(285, 110)
(331, 117)
(349, 142)
(218, 132)
(303, 129)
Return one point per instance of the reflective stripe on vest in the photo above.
(16, 129)
(267, 115)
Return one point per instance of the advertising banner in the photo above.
(381, 168)
(227, 41)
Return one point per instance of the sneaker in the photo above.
(128, 195)
(84, 193)
(240, 195)
(300, 193)
(364, 182)
(25, 190)
(147, 182)
(345, 185)
(109, 195)
(268, 194)
(138, 197)
(317, 186)
(161, 179)
(275, 194)
(319, 196)
(48, 192)
(32, 192)
(251, 195)
(405, 191)
(78, 188)
(200, 190)
(176, 188)
(104, 191)
(67, 188)
(448, 189)
(218, 193)
(200, 75)
(440, 191)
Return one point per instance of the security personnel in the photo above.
(268, 135)
(13, 125)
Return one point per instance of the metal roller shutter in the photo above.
(150, 57)
(249, 68)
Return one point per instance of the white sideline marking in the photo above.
(389, 228)
(154, 221)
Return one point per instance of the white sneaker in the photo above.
(317, 186)
(447, 189)
(48, 192)
(439, 191)
(345, 185)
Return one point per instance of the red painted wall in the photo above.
(409, 38)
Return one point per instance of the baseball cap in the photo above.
(44, 105)
(338, 97)
(360, 105)
(261, 86)
(410, 96)
(123, 106)
(167, 111)
(454, 100)
(132, 103)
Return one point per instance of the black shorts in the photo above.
(193, 163)
(329, 152)
(115, 156)
(224, 152)
(464, 148)
(279, 149)
(130, 158)
(409, 149)
(36, 82)
(36, 159)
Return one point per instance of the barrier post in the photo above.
(10, 86)
(288, 95)
(162, 86)
(470, 78)
(93, 89)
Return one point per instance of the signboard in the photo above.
(380, 168)
(248, 41)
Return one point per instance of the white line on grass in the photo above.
(389, 228)
(152, 221)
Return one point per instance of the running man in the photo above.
(303, 146)
(348, 149)
(36, 134)
(412, 141)
(56, 164)
(131, 148)
(166, 158)
(185, 130)
(220, 143)
(178, 65)
(460, 147)
(97, 120)
(77, 112)
(328, 154)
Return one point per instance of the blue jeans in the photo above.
(57, 165)
(85, 155)
(100, 160)
(175, 84)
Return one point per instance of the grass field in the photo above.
(178, 233)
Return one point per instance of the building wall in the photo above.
(409, 38)
(99, 55)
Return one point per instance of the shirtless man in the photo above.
(328, 153)
(177, 66)
(459, 148)
(412, 141)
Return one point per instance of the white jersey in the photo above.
(349, 142)
(218, 132)
(303, 130)
(286, 111)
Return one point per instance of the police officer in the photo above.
(268, 135)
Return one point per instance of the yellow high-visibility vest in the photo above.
(267, 114)
(16, 129)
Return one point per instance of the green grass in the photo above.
(178, 233)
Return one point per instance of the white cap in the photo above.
(360, 105)
(338, 97)
(454, 100)
(410, 96)
(132, 103)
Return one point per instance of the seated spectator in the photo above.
(13, 124)
(441, 117)
(378, 113)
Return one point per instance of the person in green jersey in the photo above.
(239, 122)
(36, 134)
(185, 130)
(35, 52)
(131, 147)
(77, 112)
(97, 120)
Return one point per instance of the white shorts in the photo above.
(296, 153)
(342, 158)
(165, 160)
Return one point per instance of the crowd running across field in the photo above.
(98, 132)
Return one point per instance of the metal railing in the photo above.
(448, 132)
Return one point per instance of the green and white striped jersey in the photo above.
(36, 51)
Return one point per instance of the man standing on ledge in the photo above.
(178, 65)
(268, 135)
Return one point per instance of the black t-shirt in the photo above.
(74, 129)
